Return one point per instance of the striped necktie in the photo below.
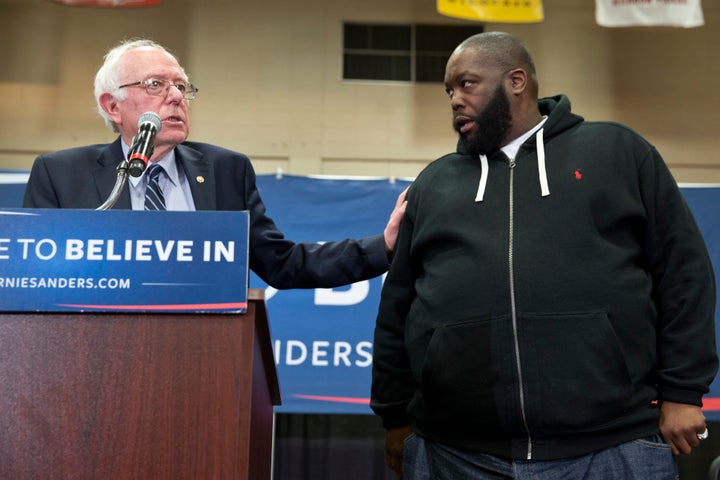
(154, 198)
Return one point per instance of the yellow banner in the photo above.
(508, 11)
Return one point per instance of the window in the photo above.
(404, 53)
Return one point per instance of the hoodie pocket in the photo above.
(574, 371)
(462, 368)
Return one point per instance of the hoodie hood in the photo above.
(559, 118)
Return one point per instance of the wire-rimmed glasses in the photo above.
(158, 87)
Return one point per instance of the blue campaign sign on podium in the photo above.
(122, 260)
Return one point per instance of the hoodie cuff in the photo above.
(689, 397)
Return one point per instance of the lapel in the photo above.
(198, 170)
(105, 175)
(200, 175)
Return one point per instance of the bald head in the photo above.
(502, 50)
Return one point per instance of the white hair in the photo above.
(107, 78)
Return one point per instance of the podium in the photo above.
(137, 395)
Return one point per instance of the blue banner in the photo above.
(120, 260)
(322, 338)
(704, 201)
(12, 188)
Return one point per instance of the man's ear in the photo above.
(518, 80)
(110, 105)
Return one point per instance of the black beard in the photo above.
(492, 125)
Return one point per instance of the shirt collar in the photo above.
(512, 148)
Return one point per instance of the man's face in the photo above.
(171, 106)
(480, 105)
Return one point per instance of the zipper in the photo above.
(513, 310)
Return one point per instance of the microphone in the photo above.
(142, 148)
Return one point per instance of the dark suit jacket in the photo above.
(219, 179)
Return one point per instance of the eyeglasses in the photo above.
(157, 87)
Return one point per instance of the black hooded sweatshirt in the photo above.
(541, 307)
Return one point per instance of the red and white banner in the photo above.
(647, 13)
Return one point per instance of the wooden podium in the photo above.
(137, 396)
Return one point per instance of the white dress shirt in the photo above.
(173, 183)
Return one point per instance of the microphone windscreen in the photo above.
(151, 118)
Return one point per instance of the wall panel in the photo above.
(269, 78)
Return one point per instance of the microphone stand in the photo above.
(121, 179)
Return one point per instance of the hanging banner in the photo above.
(527, 11)
(648, 13)
(12, 188)
(323, 338)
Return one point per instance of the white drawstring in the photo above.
(542, 172)
(484, 168)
